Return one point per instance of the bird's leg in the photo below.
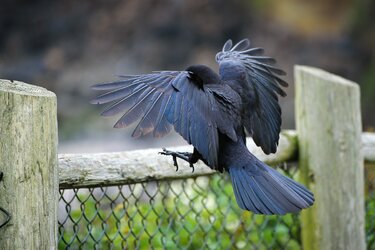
(189, 157)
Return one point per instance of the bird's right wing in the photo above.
(259, 85)
(166, 98)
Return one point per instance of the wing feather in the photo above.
(148, 121)
(257, 81)
(137, 110)
(113, 85)
(123, 103)
(162, 126)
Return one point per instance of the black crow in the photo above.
(211, 111)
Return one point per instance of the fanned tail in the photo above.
(263, 190)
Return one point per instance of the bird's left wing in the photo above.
(161, 99)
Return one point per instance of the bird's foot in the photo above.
(182, 155)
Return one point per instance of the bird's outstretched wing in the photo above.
(161, 99)
(258, 83)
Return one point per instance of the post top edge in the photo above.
(322, 74)
(22, 88)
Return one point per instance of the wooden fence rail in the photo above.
(116, 168)
(329, 147)
(88, 170)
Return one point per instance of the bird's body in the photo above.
(212, 111)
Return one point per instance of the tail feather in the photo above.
(263, 190)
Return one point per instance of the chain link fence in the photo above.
(194, 213)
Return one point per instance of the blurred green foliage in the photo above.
(370, 221)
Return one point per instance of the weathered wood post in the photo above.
(328, 120)
(28, 159)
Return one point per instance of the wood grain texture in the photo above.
(28, 158)
(88, 170)
(328, 119)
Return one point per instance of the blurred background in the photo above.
(66, 46)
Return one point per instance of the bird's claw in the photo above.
(173, 154)
(192, 166)
(182, 155)
(175, 162)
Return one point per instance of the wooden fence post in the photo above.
(328, 120)
(28, 159)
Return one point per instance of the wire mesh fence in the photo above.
(194, 213)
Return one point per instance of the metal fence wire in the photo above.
(194, 213)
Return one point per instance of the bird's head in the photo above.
(202, 74)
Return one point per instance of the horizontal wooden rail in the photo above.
(89, 170)
(368, 147)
